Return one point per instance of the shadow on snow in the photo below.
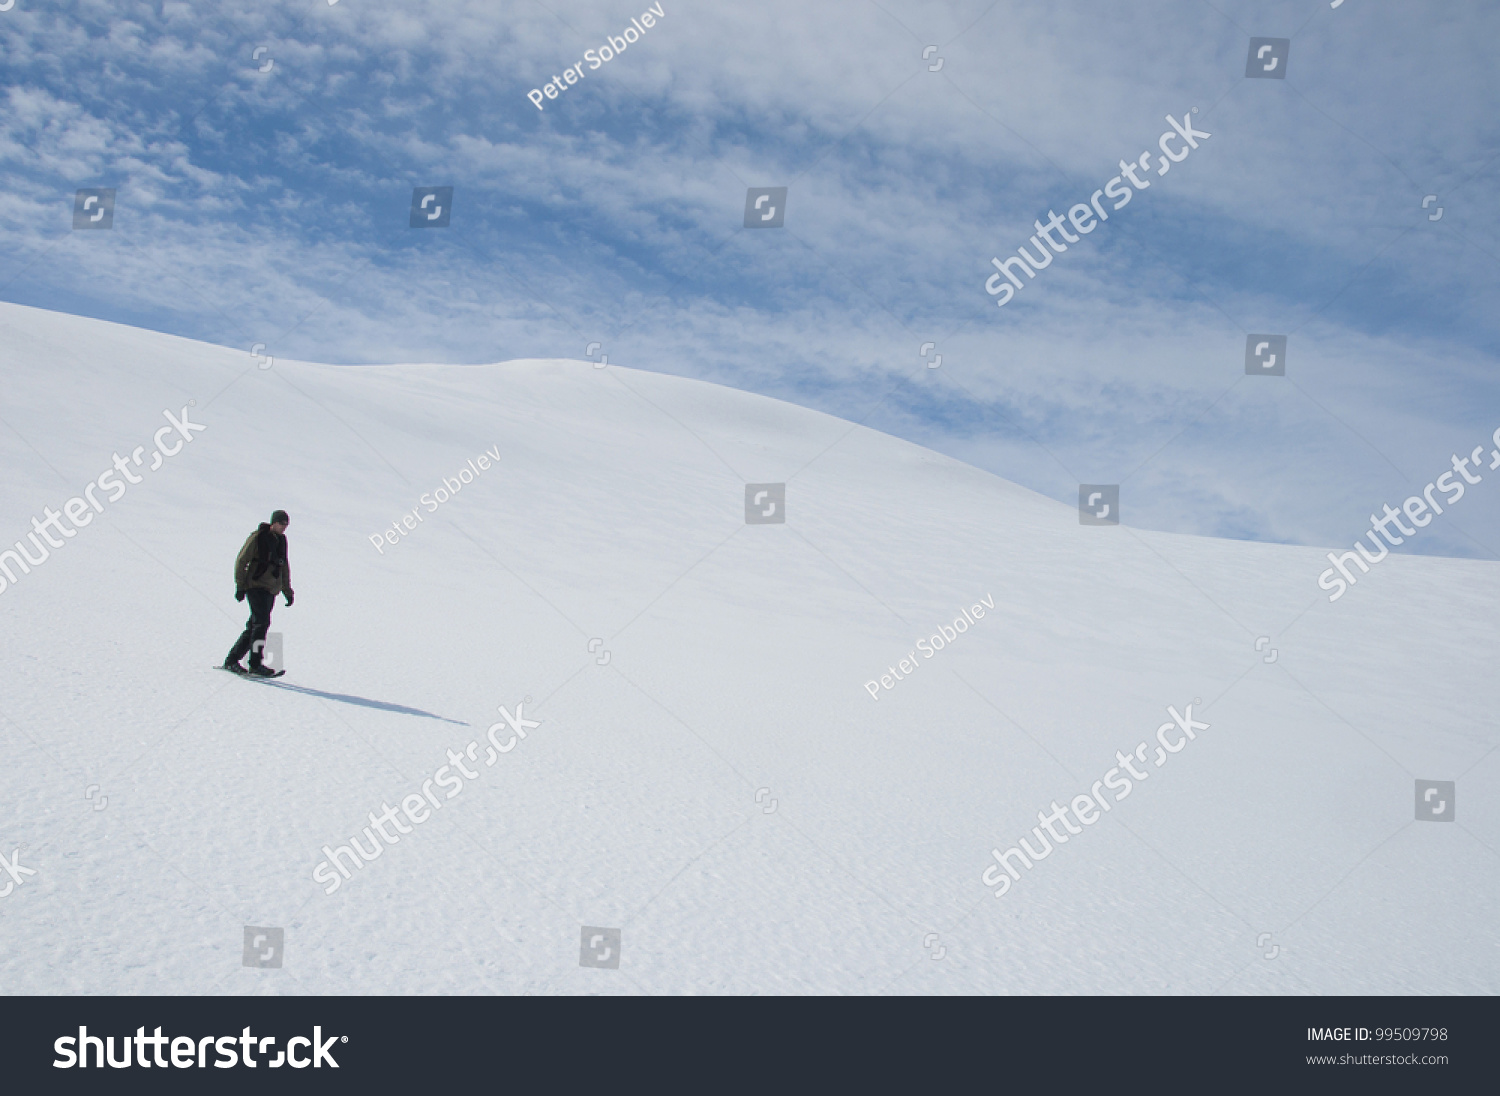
(363, 702)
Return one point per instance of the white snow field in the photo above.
(712, 778)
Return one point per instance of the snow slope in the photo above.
(712, 779)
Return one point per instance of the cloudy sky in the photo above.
(264, 158)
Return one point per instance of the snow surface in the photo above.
(736, 661)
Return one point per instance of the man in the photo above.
(261, 571)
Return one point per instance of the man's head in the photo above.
(279, 521)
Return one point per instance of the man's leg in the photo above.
(260, 622)
(242, 645)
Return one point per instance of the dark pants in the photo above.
(253, 637)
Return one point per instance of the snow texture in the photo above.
(712, 778)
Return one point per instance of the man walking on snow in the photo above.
(261, 571)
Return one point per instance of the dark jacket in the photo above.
(262, 563)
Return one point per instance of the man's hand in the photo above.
(239, 595)
(289, 597)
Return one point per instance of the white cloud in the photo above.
(261, 208)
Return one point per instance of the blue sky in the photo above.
(272, 207)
